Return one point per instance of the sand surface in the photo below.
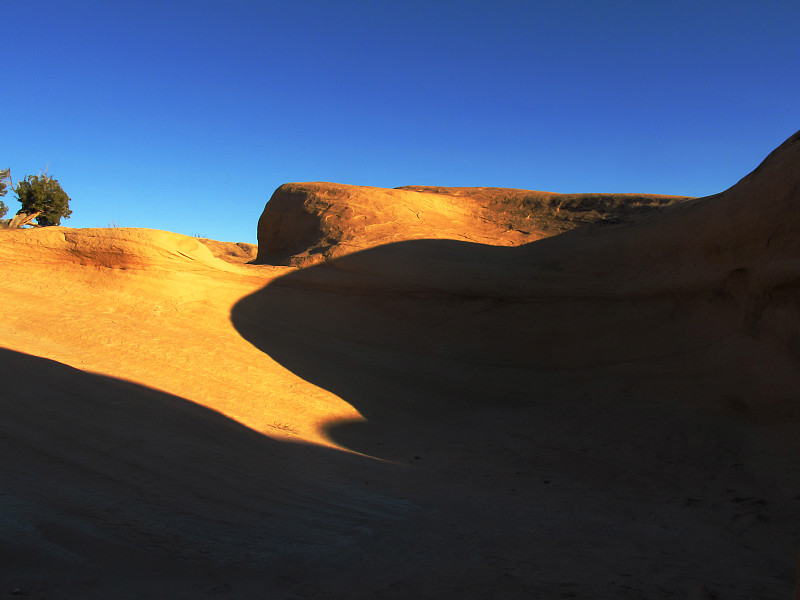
(434, 406)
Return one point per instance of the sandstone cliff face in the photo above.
(306, 223)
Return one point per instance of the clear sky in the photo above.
(186, 115)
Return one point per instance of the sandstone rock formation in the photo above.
(306, 223)
(433, 407)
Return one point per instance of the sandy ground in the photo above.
(608, 413)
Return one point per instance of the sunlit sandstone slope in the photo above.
(306, 223)
(152, 307)
(611, 412)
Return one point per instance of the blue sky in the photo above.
(185, 116)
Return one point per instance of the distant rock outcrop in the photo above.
(306, 223)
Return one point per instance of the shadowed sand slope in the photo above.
(719, 272)
(661, 356)
(306, 223)
(611, 412)
(111, 489)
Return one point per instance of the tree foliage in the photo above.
(4, 174)
(42, 199)
(43, 194)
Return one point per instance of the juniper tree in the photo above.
(43, 194)
(4, 174)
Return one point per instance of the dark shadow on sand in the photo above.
(474, 362)
(109, 489)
